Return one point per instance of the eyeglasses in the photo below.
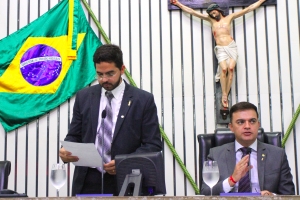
(107, 75)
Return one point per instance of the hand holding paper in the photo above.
(67, 156)
(87, 154)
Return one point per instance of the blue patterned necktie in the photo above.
(105, 132)
(244, 183)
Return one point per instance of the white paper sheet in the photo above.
(86, 152)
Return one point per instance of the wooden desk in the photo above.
(278, 197)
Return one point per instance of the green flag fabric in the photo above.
(45, 63)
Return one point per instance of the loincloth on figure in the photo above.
(224, 53)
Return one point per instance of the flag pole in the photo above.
(292, 124)
(162, 132)
(72, 36)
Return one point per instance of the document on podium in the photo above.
(86, 152)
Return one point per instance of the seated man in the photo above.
(248, 165)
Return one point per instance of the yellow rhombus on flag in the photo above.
(45, 63)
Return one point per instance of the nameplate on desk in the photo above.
(240, 194)
(94, 195)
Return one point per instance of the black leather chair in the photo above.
(4, 173)
(223, 136)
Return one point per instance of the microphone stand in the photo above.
(103, 115)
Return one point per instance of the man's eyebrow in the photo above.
(246, 119)
(105, 72)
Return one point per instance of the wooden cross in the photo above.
(224, 4)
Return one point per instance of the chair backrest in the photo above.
(223, 136)
(4, 173)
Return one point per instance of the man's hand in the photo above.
(241, 168)
(110, 167)
(174, 2)
(266, 193)
(66, 156)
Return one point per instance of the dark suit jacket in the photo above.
(136, 130)
(274, 173)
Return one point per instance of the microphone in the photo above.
(248, 150)
(103, 115)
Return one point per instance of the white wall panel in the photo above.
(169, 54)
(241, 62)
(103, 16)
(145, 55)
(13, 16)
(3, 19)
(32, 161)
(156, 56)
(114, 21)
(273, 69)
(33, 10)
(125, 33)
(95, 5)
(21, 159)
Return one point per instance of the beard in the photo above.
(217, 17)
(109, 86)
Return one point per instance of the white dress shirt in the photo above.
(116, 101)
(253, 172)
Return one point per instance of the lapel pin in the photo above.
(129, 102)
(122, 116)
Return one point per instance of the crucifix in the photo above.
(225, 48)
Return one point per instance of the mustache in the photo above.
(218, 17)
(106, 83)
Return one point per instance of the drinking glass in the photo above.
(210, 173)
(58, 176)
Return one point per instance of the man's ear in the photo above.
(123, 69)
(230, 127)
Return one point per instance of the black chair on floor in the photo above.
(223, 136)
(4, 173)
(5, 167)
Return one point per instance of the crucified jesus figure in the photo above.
(225, 49)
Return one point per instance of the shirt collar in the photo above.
(252, 146)
(117, 92)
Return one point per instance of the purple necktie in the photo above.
(105, 132)
(244, 183)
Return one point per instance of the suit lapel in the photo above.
(94, 107)
(125, 106)
(261, 160)
(230, 156)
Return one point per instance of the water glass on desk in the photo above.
(58, 176)
(210, 173)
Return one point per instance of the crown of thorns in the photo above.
(214, 6)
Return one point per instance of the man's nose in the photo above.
(247, 124)
(104, 78)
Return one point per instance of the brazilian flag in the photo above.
(45, 63)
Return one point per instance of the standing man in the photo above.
(226, 49)
(130, 122)
(248, 165)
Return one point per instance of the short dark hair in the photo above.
(109, 53)
(242, 106)
(214, 6)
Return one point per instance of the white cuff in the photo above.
(226, 187)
